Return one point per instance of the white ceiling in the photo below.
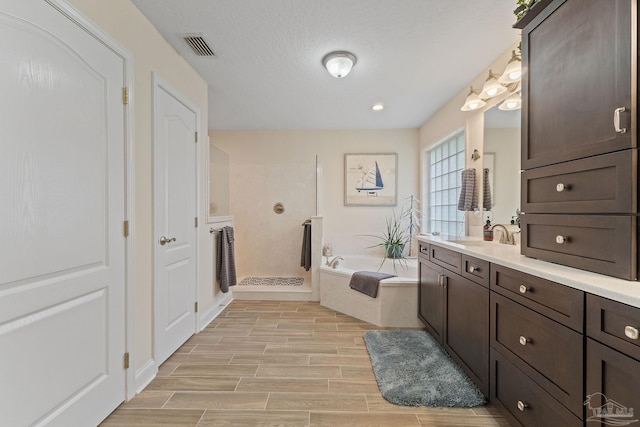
(412, 55)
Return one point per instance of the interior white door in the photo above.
(174, 176)
(62, 205)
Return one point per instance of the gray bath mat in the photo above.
(272, 281)
(412, 370)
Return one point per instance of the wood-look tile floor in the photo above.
(279, 363)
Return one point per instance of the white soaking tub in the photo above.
(397, 302)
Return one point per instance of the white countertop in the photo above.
(624, 291)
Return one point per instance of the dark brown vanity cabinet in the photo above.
(455, 309)
(557, 356)
(613, 357)
(431, 297)
(537, 350)
(577, 86)
(579, 135)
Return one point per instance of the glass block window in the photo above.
(446, 162)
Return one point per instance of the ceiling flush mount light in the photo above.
(473, 101)
(492, 87)
(513, 72)
(378, 106)
(339, 63)
(513, 102)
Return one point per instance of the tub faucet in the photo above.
(334, 262)
(505, 236)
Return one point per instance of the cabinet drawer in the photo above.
(476, 270)
(611, 377)
(549, 353)
(446, 258)
(614, 324)
(522, 400)
(600, 184)
(602, 244)
(424, 250)
(558, 302)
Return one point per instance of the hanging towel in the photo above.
(367, 282)
(486, 191)
(305, 260)
(468, 191)
(226, 263)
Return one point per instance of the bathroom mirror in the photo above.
(218, 183)
(501, 147)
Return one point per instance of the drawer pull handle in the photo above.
(473, 269)
(561, 187)
(522, 406)
(631, 332)
(523, 340)
(560, 239)
(523, 289)
(616, 120)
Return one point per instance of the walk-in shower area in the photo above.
(273, 204)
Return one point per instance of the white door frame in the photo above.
(74, 15)
(158, 82)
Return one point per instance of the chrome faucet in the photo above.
(505, 237)
(334, 262)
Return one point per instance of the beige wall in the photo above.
(450, 119)
(123, 22)
(271, 243)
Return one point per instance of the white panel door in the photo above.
(62, 195)
(174, 175)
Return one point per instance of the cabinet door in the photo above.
(613, 389)
(467, 327)
(577, 61)
(431, 298)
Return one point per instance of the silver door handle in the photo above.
(164, 240)
(616, 120)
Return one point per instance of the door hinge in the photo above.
(195, 307)
(126, 361)
(125, 95)
(196, 221)
(196, 136)
(125, 229)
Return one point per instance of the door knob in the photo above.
(164, 240)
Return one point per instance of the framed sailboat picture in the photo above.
(371, 179)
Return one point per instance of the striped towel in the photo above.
(486, 191)
(226, 263)
(468, 192)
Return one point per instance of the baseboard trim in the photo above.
(145, 375)
(214, 311)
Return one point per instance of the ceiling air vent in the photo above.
(198, 44)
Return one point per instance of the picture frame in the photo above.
(371, 179)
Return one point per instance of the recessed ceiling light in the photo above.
(378, 106)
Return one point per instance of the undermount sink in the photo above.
(467, 242)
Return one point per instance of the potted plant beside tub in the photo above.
(397, 235)
(394, 238)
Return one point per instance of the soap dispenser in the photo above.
(487, 232)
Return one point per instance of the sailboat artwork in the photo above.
(371, 181)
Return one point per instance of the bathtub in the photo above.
(396, 304)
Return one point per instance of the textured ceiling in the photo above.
(413, 55)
